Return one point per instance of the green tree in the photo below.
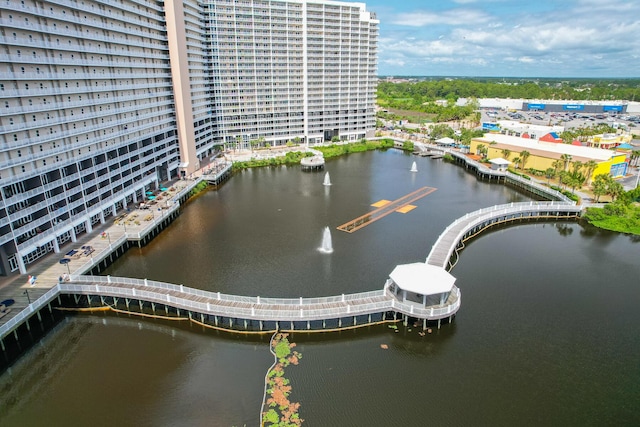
(589, 167)
(506, 153)
(550, 173)
(600, 186)
(480, 149)
(516, 162)
(566, 159)
(614, 189)
(577, 166)
(557, 165)
(524, 156)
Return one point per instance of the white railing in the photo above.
(475, 218)
(26, 313)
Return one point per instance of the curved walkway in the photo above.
(474, 222)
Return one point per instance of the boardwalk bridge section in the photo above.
(258, 314)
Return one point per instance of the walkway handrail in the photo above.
(477, 217)
(248, 311)
(28, 310)
(228, 298)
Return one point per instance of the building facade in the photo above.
(286, 70)
(104, 100)
(542, 155)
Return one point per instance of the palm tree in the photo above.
(566, 158)
(480, 149)
(524, 156)
(557, 165)
(550, 173)
(516, 162)
(506, 153)
(614, 189)
(589, 167)
(577, 165)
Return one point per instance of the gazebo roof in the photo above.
(500, 161)
(446, 141)
(422, 278)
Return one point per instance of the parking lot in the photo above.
(568, 119)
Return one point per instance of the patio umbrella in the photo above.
(148, 193)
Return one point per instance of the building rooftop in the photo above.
(547, 149)
(422, 278)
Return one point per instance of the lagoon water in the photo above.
(546, 334)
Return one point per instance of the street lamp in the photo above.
(26, 292)
(66, 262)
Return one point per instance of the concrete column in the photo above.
(135, 197)
(56, 246)
(89, 227)
(21, 266)
(72, 232)
(102, 217)
(404, 296)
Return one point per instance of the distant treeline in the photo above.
(417, 95)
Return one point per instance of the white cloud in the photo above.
(448, 17)
(570, 38)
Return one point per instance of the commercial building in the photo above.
(103, 100)
(543, 154)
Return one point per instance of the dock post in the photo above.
(261, 325)
(424, 324)
(340, 322)
(439, 320)
(126, 301)
(215, 320)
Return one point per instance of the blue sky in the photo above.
(509, 38)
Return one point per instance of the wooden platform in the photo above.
(385, 208)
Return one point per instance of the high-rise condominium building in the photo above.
(101, 100)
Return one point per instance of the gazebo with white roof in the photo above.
(421, 283)
(499, 164)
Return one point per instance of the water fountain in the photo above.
(414, 167)
(327, 180)
(327, 246)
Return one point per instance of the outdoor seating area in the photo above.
(87, 250)
(127, 219)
(77, 253)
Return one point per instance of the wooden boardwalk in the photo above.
(253, 308)
(473, 223)
(381, 212)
